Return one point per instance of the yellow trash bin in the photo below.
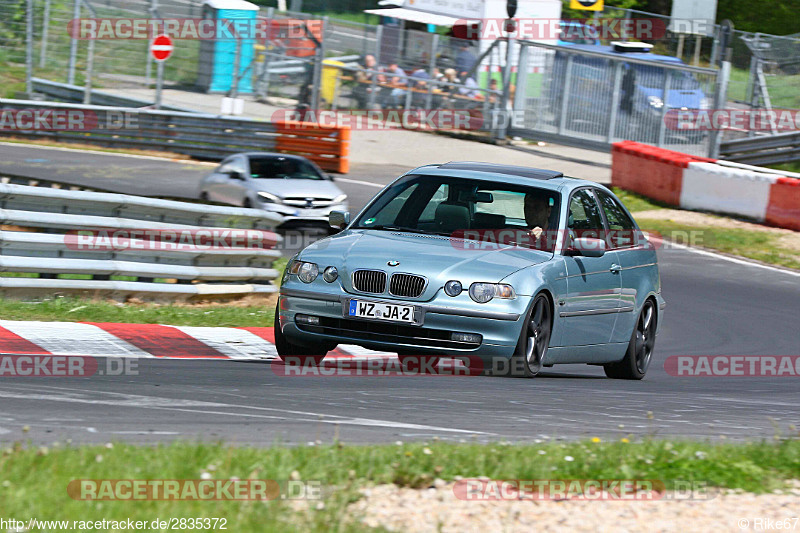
(330, 80)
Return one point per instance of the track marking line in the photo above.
(360, 182)
(736, 260)
(173, 404)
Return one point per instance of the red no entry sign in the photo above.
(161, 48)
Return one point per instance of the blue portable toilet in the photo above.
(217, 57)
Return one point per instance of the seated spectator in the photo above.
(363, 89)
(398, 80)
(470, 88)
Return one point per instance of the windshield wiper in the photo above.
(386, 227)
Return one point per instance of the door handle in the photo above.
(615, 269)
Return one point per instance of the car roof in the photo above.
(494, 168)
(537, 177)
(269, 154)
(647, 56)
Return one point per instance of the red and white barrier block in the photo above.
(150, 341)
(707, 184)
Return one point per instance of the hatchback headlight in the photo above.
(485, 292)
(339, 199)
(306, 272)
(268, 198)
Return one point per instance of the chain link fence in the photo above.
(598, 108)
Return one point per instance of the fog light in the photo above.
(453, 288)
(306, 319)
(472, 338)
(330, 274)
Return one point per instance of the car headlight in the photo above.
(306, 272)
(485, 292)
(655, 102)
(339, 199)
(268, 198)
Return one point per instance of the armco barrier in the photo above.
(194, 134)
(707, 184)
(197, 250)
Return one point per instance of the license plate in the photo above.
(381, 311)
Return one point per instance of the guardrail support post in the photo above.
(29, 49)
(73, 44)
(720, 101)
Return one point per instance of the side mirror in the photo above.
(587, 247)
(330, 177)
(339, 219)
(237, 175)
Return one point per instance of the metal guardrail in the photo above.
(767, 150)
(49, 233)
(198, 135)
(75, 94)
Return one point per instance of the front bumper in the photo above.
(431, 335)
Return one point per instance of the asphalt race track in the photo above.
(716, 306)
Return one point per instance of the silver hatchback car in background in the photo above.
(289, 185)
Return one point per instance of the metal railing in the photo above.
(767, 150)
(52, 242)
(593, 99)
(198, 135)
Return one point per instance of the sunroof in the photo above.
(493, 168)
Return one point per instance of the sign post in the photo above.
(161, 48)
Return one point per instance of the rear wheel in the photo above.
(247, 203)
(295, 354)
(640, 348)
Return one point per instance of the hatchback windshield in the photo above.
(283, 168)
(452, 206)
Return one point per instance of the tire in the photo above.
(204, 196)
(534, 340)
(294, 354)
(247, 203)
(640, 348)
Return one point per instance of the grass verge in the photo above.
(34, 480)
(763, 245)
(249, 312)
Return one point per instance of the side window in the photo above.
(622, 229)
(234, 165)
(585, 219)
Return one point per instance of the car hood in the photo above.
(438, 258)
(303, 188)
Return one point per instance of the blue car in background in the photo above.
(510, 267)
(641, 97)
(574, 32)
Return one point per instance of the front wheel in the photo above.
(294, 354)
(640, 348)
(534, 340)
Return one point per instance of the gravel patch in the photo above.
(438, 510)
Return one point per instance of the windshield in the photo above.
(283, 168)
(650, 76)
(463, 208)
